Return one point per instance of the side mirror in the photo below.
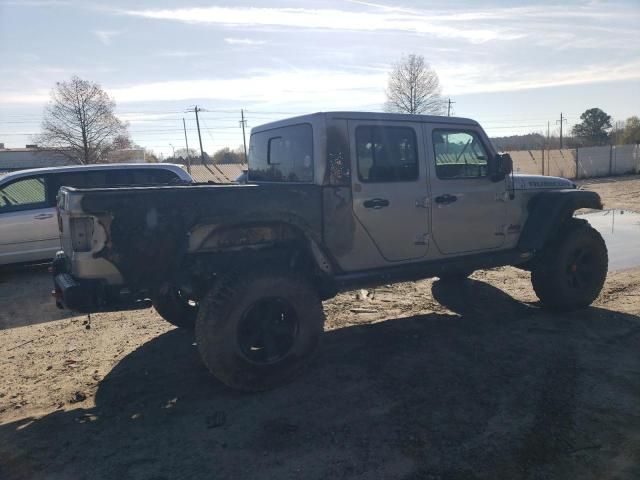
(502, 166)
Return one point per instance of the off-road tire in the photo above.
(222, 317)
(571, 270)
(174, 309)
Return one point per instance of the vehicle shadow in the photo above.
(498, 390)
(25, 297)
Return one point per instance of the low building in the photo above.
(32, 156)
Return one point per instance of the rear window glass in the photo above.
(282, 155)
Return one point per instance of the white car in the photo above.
(28, 220)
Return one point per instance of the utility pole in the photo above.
(449, 107)
(196, 110)
(561, 121)
(184, 126)
(243, 123)
(548, 146)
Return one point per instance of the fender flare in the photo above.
(549, 210)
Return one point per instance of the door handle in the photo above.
(376, 203)
(446, 199)
(43, 216)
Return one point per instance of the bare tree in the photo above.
(414, 87)
(80, 123)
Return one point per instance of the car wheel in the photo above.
(176, 308)
(572, 269)
(259, 329)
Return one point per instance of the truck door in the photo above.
(468, 208)
(390, 187)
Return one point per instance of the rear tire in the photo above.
(571, 270)
(257, 330)
(175, 308)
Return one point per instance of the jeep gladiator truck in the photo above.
(334, 201)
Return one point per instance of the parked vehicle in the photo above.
(28, 223)
(335, 201)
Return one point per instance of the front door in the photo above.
(28, 223)
(390, 197)
(468, 208)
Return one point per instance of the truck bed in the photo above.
(149, 228)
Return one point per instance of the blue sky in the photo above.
(511, 65)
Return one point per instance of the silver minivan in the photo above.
(28, 220)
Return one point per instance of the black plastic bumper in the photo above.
(89, 296)
(74, 295)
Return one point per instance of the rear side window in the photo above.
(282, 155)
(23, 194)
(386, 154)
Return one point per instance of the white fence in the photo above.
(586, 162)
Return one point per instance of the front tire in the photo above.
(259, 329)
(572, 269)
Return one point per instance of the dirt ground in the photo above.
(416, 381)
(617, 192)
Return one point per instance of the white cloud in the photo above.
(295, 86)
(37, 3)
(461, 79)
(39, 96)
(105, 36)
(179, 54)
(326, 89)
(243, 41)
(330, 19)
(330, 87)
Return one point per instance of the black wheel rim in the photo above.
(581, 269)
(267, 331)
(187, 302)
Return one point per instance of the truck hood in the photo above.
(537, 182)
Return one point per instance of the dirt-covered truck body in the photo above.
(334, 201)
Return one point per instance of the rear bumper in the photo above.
(89, 296)
(74, 295)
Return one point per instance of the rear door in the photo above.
(468, 209)
(390, 187)
(28, 224)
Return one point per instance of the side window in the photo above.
(386, 154)
(86, 179)
(282, 155)
(150, 176)
(118, 177)
(459, 154)
(23, 194)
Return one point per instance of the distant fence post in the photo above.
(610, 160)
(542, 160)
(577, 163)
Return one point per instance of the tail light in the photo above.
(81, 233)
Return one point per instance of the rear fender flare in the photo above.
(208, 238)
